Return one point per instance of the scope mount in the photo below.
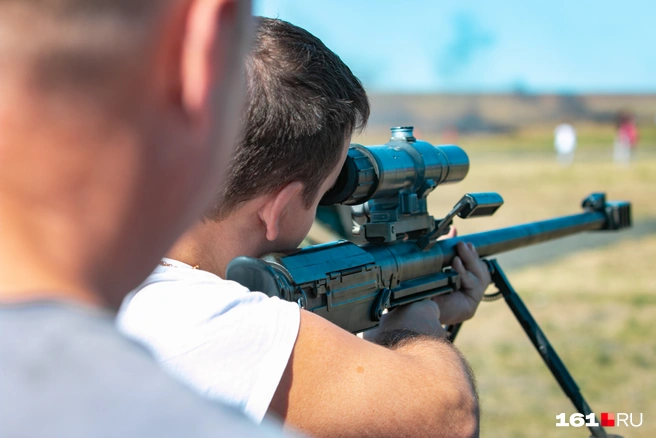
(403, 213)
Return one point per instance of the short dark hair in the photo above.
(302, 103)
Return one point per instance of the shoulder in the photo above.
(96, 383)
(229, 343)
(174, 276)
(178, 310)
(184, 292)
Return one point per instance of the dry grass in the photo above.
(598, 308)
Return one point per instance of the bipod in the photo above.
(540, 342)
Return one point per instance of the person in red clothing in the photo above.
(626, 139)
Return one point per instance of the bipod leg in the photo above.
(452, 331)
(542, 345)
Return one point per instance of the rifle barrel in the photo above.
(488, 243)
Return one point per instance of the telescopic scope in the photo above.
(405, 164)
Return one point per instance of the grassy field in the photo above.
(597, 307)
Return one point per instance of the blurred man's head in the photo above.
(117, 117)
(303, 104)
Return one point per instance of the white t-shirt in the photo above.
(227, 342)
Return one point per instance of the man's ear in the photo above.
(276, 206)
(201, 49)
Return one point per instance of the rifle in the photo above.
(403, 261)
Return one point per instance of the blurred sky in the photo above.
(565, 46)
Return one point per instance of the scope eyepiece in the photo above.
(342, 189)
(357, 180)
(375, 172)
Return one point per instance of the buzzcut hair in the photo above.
(302, 104)
(75, 45)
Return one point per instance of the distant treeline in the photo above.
(498, 113)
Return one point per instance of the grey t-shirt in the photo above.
(66, 372)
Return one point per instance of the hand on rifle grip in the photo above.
(474, 280)
(421, 317)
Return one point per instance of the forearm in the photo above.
(448, 373)
(417, 387)
(415, 332)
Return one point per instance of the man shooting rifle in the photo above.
(265, 355)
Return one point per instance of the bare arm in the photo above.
(339, 385)
(336, 384)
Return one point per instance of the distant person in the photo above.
(565, 143)
(117, 119)
(626, 138)
(449, 135)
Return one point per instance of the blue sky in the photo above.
(574, 46)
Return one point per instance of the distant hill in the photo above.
(498, 113)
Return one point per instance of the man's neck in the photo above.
(29, 272)
(211, 245)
